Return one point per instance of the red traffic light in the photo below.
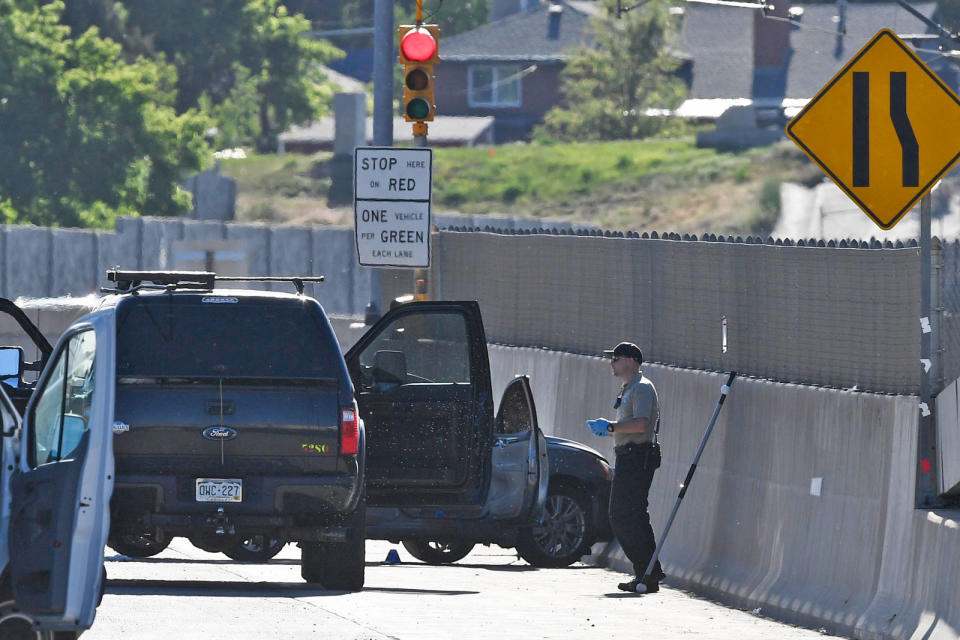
(418, 44)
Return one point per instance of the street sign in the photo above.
(885, 129)
(392, 192)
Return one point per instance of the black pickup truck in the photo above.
(235, 417)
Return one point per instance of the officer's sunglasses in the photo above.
(618, 401)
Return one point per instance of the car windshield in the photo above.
(213, 336)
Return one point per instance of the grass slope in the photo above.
(666, 185)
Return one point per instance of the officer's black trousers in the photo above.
(628, 508)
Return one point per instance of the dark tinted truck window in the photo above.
(203, 336)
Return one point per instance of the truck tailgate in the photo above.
(245, 429)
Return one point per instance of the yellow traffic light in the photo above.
(418, 54)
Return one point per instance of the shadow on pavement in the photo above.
(432, 592)
(510, 568)
(125, 560)
(246, 589)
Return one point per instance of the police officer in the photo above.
(638, 456)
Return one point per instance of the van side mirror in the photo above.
(11, 365)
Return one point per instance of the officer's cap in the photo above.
(625, 350)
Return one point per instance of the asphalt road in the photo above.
(188, 593)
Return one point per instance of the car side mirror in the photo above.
(11, 365)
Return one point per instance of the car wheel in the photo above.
(139, 545)
(258, 548)
(338, 566)
(438, 552)
(565, 535)
(15, 625)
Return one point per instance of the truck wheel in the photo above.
(258, 548)
(338, 566)
(139, 545)
(566, 534)
(438, 552)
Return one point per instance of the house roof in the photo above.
(444, 131)
(546, 34)
(341, 81)
(720, 41)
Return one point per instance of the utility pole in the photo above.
(926, 444)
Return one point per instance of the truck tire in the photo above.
(134, 545)
(438, 552)
(566, 534)
(338, 566)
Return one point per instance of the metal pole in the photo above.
(383, 35)
(926, 442)
(383, 73)
(420, 276)
(724, 390)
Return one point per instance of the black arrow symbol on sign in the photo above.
(910, 148)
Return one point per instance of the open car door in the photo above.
(20, 338)
(60, 512)
(422, 381)
(521, 470)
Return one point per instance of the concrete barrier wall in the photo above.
(857, 559)
(38, 262)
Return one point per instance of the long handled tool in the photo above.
(724, 390)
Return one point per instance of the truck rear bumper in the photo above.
(270, 500)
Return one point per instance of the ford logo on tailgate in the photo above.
(219, 432)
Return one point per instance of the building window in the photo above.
(495, 86)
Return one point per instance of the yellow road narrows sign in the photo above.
(885, 128)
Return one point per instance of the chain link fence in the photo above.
(945, 315)
(839, 314)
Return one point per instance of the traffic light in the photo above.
(418, 54)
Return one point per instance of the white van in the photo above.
(57, 479)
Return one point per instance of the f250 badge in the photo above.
(120, 427)
(219, 432)
(315, 448)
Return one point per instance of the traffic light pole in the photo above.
(383, 70)
(383, 73)
(420, 277)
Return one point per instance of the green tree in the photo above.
(609, 85)
(84, 135)
(453, 16)
(243, 59)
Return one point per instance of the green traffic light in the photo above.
(418, 109)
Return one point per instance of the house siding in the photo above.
(539, 93)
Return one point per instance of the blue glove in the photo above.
(599, 427)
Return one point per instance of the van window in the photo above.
(62, 410)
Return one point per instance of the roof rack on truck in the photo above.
(133, 281)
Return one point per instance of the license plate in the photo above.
(219, 490)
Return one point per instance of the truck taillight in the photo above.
(349, 431)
